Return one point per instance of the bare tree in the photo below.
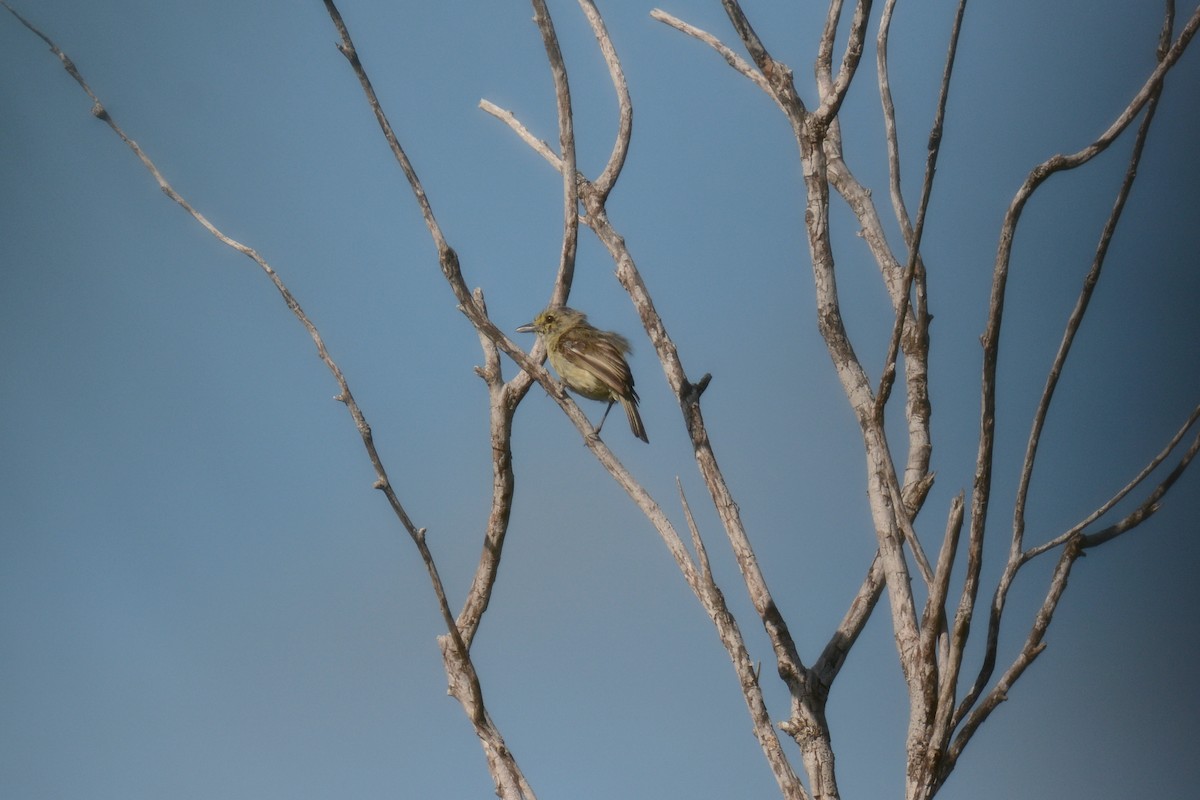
(932, 579)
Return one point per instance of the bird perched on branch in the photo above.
(591, 362)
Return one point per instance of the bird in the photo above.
(589, 361)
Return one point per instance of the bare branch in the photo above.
(789, 663)
(885, 497)
(697, 542)
(777, 75)
(731, 58)
(833, 94)
(502, 403)
(1031, 649)
(566, 145)
(920, 321)
(791, 668)
(886, 494)
(991, 335)
(834, 655)
(1075, 320)
(939, 587)
(990, 341)
(713, 601)
(596, 218)
(616, 161)
(889, 121)
(934, 629)
(593, 197)
(539, 146)
(460, 670)
(880, 468)
(930, 647)
(824, 64)
(344, 396)
(346, 48)
(910, 534)
(510, 785)
(746, 33)
(917, 478)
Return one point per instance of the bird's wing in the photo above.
(602, 357)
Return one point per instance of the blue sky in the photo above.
(200, 594)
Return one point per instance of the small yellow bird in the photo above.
(591, 362)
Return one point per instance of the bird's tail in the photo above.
(635, 419)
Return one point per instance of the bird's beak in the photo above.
(526, 328)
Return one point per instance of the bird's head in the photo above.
(552, 320)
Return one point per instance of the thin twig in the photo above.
(727, 53)
(1108, 505)
(891, 135)
(697, 543)
(1148, 507)
(539, 146)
